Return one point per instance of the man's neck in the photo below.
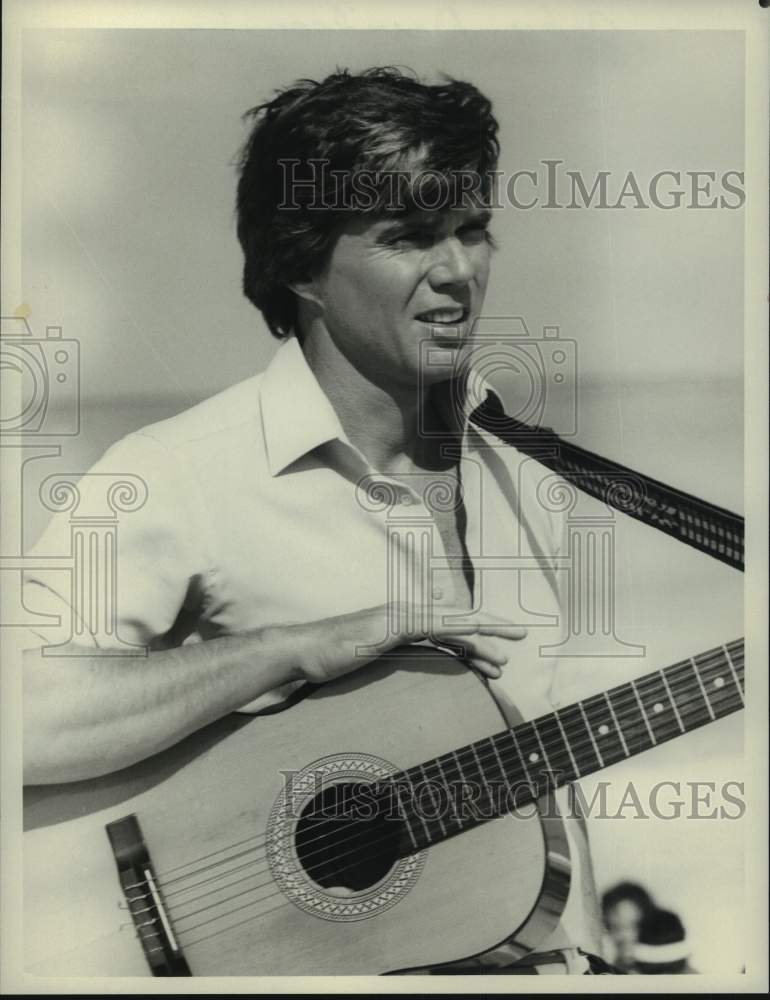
(386, 425)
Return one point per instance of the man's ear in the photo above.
(307, 289)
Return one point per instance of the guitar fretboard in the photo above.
(520, 765)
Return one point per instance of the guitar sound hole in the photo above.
(344, 838)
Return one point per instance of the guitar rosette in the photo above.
(290, 858)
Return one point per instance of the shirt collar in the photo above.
(296, 413)
(298, 417)
(456, 402)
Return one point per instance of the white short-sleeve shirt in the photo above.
(254, 508)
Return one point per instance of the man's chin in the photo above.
(446, 359)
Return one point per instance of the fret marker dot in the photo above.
(719, 682)
(534, 757)
(603, 730)
(657, 708)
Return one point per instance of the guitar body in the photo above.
(221, 844)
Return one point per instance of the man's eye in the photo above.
(474, 231)
(415, 237)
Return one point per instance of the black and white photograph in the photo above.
(383, 410)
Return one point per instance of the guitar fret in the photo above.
(451, 760)
(619, 730)
(644, 714)
(484, 780)
(530, 753)
(405, 818)
(566, 744)
(603, 730)
(519, 775)
(735, 676)
(719, 681)
(437, 807)
(659, 709)
(417, 811)
(735, 647)
(560, 760)
(542, 748)
(517, 748)
(503, 773)
(591, 735)
(682, 679)
(673, 703)
(578, 739)
(446, 783)
(466, 783)
(540, 744)
(702, 689)
(631, 724)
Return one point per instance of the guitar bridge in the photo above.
(142, 894)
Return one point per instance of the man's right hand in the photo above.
(332, 647)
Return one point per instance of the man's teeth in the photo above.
(443, 316)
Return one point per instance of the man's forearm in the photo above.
(90, 715)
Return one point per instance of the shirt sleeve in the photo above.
(122, 553)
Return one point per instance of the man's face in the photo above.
(391, 283)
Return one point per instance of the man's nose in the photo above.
(453, 264)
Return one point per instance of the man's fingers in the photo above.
(483, 654)
(447, 622)
(483, 649)
(487, 669)
(444, 623)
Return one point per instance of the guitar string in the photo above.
(232, 927)
(232, 909)
(574, 745)
(334, 860)
(674, 732)
(577, 746)
(737, 700)
(559, 748)
(176, 909)
(508, 785)
(230, 858)
(203, 857)
(242, 907)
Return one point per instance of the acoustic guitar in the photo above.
(392, 820)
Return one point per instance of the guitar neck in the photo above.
(521, 764)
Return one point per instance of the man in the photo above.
(263, 532)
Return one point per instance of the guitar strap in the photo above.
(703, 525)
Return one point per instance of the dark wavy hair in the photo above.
(371, 123)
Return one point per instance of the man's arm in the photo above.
(89, 715)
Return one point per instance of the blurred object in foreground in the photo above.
(624, 906)
(662, 947)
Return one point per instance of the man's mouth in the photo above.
(448, 316)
